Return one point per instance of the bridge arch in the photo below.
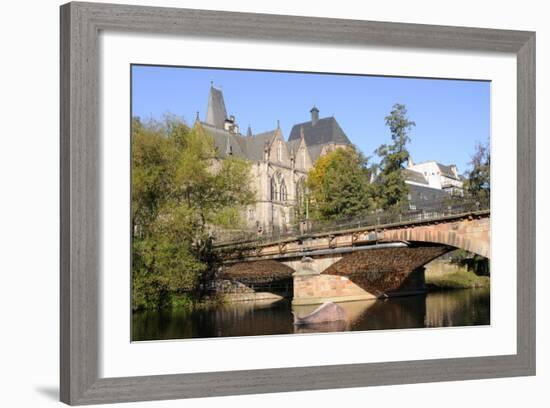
(472, 234)
(257, 271)
(387, 270)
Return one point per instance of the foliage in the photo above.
(391, 190)
(339, 185)
(472, 262)
(180, 192)
(478, 183)
(461, 279)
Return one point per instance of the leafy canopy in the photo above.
(478, 183)
(180, 193)
(339, 185)
(391, 190)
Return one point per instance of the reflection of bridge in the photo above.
(357, 261)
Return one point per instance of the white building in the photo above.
(435, 175)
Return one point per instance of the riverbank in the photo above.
(459, 278)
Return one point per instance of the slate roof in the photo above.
(255, 144)
(215, 112)
(414, 176)
(315, 151)
(325, 130)
(446, 171)
(247, 147)
(293, 145)
(225, 141)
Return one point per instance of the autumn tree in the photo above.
(180, 191)
(390, 188)
(338, 185)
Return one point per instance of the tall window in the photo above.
(300, 207)
(283, 191)
(273, 190)
(303, 158)
(280, 151)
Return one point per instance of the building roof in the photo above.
(255, 144)
(414, 176)
(247, 147)
(317, 133)
(215, 112)
(325, 130)
(293, 145)
(446, 171)
(225, 142)
(315, 151)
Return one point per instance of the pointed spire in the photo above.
(216, 112)
(249, 131)
(278, 124)
(302, 133)
(197, 118)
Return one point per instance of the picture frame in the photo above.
(80, 235)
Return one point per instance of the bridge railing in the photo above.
(435, 211)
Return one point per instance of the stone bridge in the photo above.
(353, 263)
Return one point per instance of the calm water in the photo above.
(466, 307)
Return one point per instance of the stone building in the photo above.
(279, 167)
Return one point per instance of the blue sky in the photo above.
(451, 116)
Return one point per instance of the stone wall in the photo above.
(316, 289)
(472, 234)
(387, 271)
(231, 291)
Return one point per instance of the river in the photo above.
(466, 307)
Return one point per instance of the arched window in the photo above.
(280, 151)
(274, 194)
(283, 191)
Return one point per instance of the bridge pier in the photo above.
(311, 287)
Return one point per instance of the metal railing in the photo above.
(433, 211)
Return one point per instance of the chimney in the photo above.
(314, 115)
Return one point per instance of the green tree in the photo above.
(339, 185)
(391, 190)
(478, 182)
(180, 193)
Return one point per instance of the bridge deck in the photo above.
(271, 240)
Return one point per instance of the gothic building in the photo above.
(279, 166)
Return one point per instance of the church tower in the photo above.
(215, 112)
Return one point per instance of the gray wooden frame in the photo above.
(80, 189)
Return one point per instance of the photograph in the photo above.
(288, 203)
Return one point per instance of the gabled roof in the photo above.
(315, 152)
(255, 144)
(325, 130)
(225, 141)
(446, 171)
(215, 112)
(414, 176)
(247, 147)
(293, 145)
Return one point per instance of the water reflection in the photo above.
(453, 308)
